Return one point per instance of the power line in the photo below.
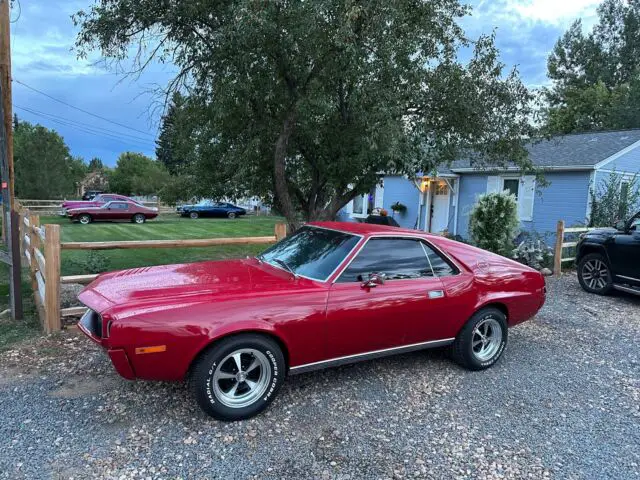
(90, 130)
(80, 109)
(80, 124)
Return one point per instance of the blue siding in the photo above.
(400, 189)
(564, 199)
(629, 162)
(471, 186)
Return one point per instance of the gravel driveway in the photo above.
(563, 402)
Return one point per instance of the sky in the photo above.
(49, 80)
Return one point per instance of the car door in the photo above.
(118, 211)
(364, 318)
(624, 253)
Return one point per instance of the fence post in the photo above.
(52, 277)
(557, 259)
(281, 231)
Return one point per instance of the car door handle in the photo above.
(435, 294)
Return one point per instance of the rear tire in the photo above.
(238, 377)
(231, 215)
(482, 340)
(594, 274)
(84, 219)
(139, 218)
(193, 215)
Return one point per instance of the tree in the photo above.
(596, 77)
(614, 198)
(95, 164)
(307, 102)
(137, 174)
(44, 168)
(174, 148)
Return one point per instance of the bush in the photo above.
(494, 222)
(94, 262)
(612, 201)
(532, 250)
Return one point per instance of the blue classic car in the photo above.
(209, 208)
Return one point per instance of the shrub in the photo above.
(94, 262)
(533, 251)
(614, 198)
(494, 222)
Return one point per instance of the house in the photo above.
(95, 180)
(571, 164)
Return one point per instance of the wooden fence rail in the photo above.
(41, 248)
(561, 245)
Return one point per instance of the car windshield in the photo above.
(205, 203)
(311, 252)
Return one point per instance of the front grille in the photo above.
(92, 321)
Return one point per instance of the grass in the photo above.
(165, 227)
(11, 331)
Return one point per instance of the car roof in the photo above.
(366, 228)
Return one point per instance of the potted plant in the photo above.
(398, 208)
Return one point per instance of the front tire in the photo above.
(84, 219)
(232, 215)
(594, 274)
(482, 340)
(139, 218)
(238, 377)
(193, 215)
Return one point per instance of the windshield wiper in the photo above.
(286, 266)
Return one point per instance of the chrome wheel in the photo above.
(231, 215)
(595, 274)
(241, 378)
(138, 219)
(85, 219)
(486, 339)
(193, 215)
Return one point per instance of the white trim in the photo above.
(617, 155)
(457, 207)
(592, 184)
(433, 193)
(307, 367)
(488, 170)
(624, 174)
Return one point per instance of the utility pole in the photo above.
(10, 225)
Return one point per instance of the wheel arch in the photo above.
(214, 341)
(588, 248)
(494, 304)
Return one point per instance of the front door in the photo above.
(397, 312)
(624, 254)
(440, 207)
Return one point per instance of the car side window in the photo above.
(440, 266)
(118, 206)
(397, 258)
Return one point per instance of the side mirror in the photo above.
(620, 225)
(375, 279)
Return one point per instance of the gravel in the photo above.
(563, 402)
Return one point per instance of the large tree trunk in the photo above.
(279, 171)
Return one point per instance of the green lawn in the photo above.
(165, 227)
(12, 332)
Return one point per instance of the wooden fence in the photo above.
(562, 246)
(41, 248)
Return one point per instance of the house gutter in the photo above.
(572, 168)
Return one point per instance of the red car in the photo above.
(97, 201)
(331, 293)
(113, 211)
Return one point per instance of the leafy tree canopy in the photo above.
(95, 164)
(44, 167)
(307, 102)
(596, 76)
(137, 174)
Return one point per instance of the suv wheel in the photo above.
(594, 274)
(238, 377)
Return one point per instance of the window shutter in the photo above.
(493, 184)
(379, 195)
(526, 198)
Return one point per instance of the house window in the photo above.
(511, 185)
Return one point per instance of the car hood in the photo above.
(601, 233)
(173, 284)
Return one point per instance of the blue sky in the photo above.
(43, 58)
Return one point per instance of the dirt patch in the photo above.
(80, 386)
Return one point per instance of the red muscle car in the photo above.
(330, 294)
(97, 201)
(112, 211)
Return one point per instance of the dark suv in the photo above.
(609, 258)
